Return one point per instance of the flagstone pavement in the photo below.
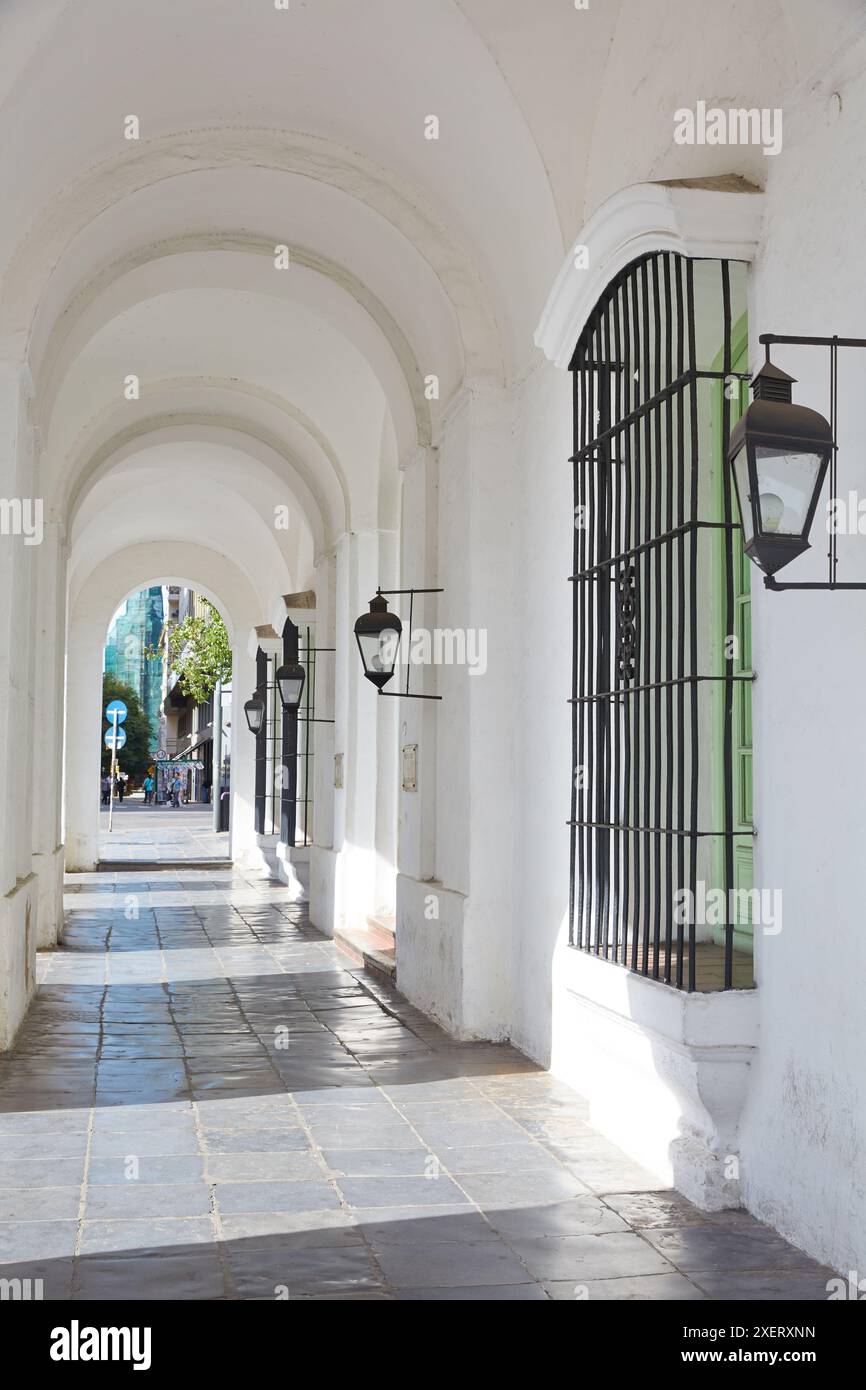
(207, 1101)
(161, 833)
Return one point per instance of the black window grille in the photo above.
(652, 811)
(289, 749)
(263, 682)
(284, 745)
(305, 741)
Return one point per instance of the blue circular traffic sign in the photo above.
(113, 740)
(118, 708)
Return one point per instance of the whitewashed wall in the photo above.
(804, 1134)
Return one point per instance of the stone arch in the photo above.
(113, 288)
(317, 510)
(709, 220)
(41, 250)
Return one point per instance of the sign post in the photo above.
(113, 767)
(116, 711)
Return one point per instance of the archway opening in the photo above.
(165, 788)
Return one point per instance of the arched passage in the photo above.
(109, 583)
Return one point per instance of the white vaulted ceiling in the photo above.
(411, 258)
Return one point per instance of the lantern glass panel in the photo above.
(741, 478)
(379, 650)
(255, 713)
(786, 482)
(291, 688)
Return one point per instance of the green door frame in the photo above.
(741, 741)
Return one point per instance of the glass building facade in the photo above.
(134, 632)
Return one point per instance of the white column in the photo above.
(418, 719)
(18, 885)
(322, 855)
(454, 929)
(355, 733)
(84, 727)
(359, 558)
(49, 717)
(243, 842)
(388, 716)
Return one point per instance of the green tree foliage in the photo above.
(200, 653)
(134, 756)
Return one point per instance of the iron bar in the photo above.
(771, 582)
(668, 555)
(627, 382)
(664, 830)
(260, 798)
(407, 694)
(672, 388)
(728, 718)
(656, 563)
(694, 733)
(681, 616)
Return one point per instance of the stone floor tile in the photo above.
(361, 1163)
(135, 1238)
(553, 1258)
(258, 1167)
(147, 1169)
(236, 1197)
(423, 1225)
(453, 1134)
(493, 1191)
(307, 1229)
(255, 1141)
(39, 1124)
(291, 1271)
(314, 1103)
(580, 1216)
(489, 1293)
(130, 1118)
(307, 1170)
(42, 1172)
(343, 1135)
(50, 1279)
(760, 1286)
(36, 1240)
(40, 1203)
(18, 1148)
(637, 1288)
(444, 1264)
(397, 1191)
(140, 1199)
(666, 1208)
(521, 1157)
(164, 1276)
(726, 1248)
(174, 1142)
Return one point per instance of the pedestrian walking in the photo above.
(148, 789)
(106, 789)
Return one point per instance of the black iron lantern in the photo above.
(254, 709)
(378, 636)
(779, 454)
(290, 683)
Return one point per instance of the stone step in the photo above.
(381, 963)
(168, 866)
(381, 927)
(361, 947)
